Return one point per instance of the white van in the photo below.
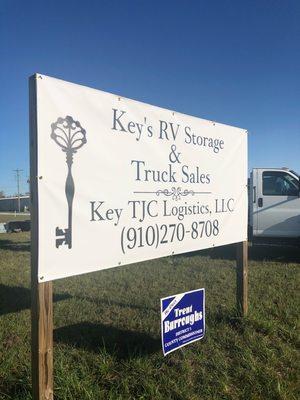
(274, 203)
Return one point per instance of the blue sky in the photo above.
(236, 62)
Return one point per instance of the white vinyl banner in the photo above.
(120, 181)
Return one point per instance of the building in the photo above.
(11, 204)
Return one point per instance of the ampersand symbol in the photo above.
(174, 155)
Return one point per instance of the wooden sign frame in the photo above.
(42, 293)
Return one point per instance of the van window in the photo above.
(276, 183)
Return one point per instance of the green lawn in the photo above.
(107, 329)
(13, 217)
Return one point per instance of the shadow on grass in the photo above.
(223, 316)
(14, 246)
(106, 302)
(121, 343)
(251, 323)
(18, 387)
(260, 251)
(14, 299)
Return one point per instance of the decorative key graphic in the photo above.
(70, 136)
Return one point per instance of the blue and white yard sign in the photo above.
(182, 319)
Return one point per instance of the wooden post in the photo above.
(41, 293)
(42, 341)
(242, 278)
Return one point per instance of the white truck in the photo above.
(274, 203)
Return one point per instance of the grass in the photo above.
(13, 217)
(107, 329)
